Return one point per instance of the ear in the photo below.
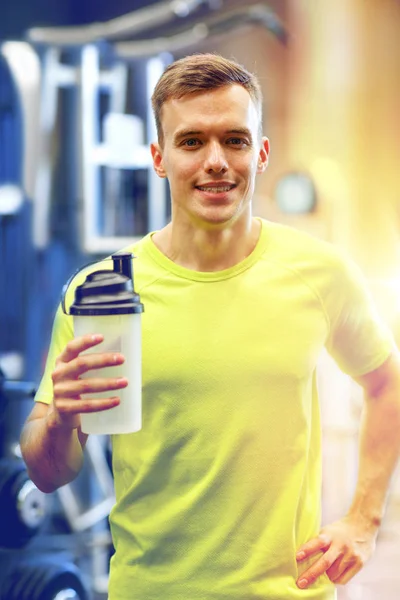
(262, 162)
(158, 164)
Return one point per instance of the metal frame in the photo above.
(78, 519)
(96, 154)
(131, 24)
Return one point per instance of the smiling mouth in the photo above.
(215, 189)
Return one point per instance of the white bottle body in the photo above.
(122, 334)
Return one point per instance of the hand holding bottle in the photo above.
(69, 386)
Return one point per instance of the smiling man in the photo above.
(210, 149)
(218, 497)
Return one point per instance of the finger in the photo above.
(84, 363)
(338, 567)
(345, 569)
(77, 387)
(348, 574)
(317, 544)
(317, 569)
(69, 407)
(78, 345)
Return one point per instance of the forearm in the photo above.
(378, 456)
(53, 454)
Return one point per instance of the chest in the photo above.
(266, 326)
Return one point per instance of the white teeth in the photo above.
(215, 190)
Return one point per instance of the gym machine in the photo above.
(31, 568)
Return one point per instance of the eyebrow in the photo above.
(189, 132)
(185, 133)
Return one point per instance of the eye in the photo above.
(236, 141)
(191, 143)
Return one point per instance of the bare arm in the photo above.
(348, 543)
(53, 455)
(52, 442)
(379, 441)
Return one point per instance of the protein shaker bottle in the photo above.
(106, 303)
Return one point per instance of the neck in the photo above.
(208, 249)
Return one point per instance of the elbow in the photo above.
(44, 485)
(48, 485)
(37, 472)
(46, 488)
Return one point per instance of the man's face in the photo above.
(211, 154)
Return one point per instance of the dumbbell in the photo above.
(43, 578)
(23, 505)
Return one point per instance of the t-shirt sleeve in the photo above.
(62, 333)
(359, 340)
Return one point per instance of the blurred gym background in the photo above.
(76, 184)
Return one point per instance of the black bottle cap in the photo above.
(108, 292)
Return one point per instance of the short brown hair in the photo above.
(201, 72)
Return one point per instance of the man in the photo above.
(219, 495)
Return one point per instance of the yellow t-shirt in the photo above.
(222, 484)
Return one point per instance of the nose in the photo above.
(215, 161)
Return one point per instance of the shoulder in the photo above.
(302, 252)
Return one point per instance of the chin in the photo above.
(218, 217)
